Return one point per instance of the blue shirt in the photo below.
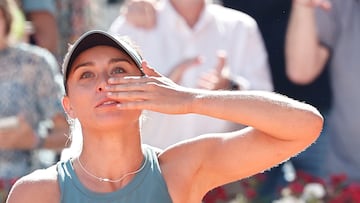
(148, 186)
(39, 5)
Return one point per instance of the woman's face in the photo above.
(87, 98)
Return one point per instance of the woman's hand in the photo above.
(153, 92)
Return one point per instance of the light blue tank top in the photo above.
(148, 186)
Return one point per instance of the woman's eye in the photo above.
(86, 75)
(117, 70)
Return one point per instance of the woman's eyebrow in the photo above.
(81, 65)
(115, 60)
(89, 63)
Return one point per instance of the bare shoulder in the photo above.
(38, 186)
(181, 166)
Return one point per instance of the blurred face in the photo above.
(86, 98)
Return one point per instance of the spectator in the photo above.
(329, 31)
(272, 17)
(212, 47)
(29, 96)
(43, 17)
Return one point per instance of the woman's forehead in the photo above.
(105, 48)
(101, 52)
(105, 54)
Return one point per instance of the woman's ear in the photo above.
(67, 107)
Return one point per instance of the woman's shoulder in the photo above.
(38, 186)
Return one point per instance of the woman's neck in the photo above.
(120, 140)
(109, 156)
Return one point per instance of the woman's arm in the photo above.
(280, 128)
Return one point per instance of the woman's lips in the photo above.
(107, 103)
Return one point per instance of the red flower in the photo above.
(2, 184)
(250, 193)
(338, 180)
(296, 188)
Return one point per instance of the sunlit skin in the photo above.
(107, 92)
(103, 123)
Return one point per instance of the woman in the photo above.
(108, 85)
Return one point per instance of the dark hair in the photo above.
(6, 14)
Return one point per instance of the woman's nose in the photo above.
(102, 83)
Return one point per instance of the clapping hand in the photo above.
(179, 70)
(216, 78)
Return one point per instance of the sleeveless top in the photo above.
(148, 186)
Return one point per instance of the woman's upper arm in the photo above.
(22, 191)
(39, 186)
(222, 158)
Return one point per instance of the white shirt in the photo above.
(172, 41)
